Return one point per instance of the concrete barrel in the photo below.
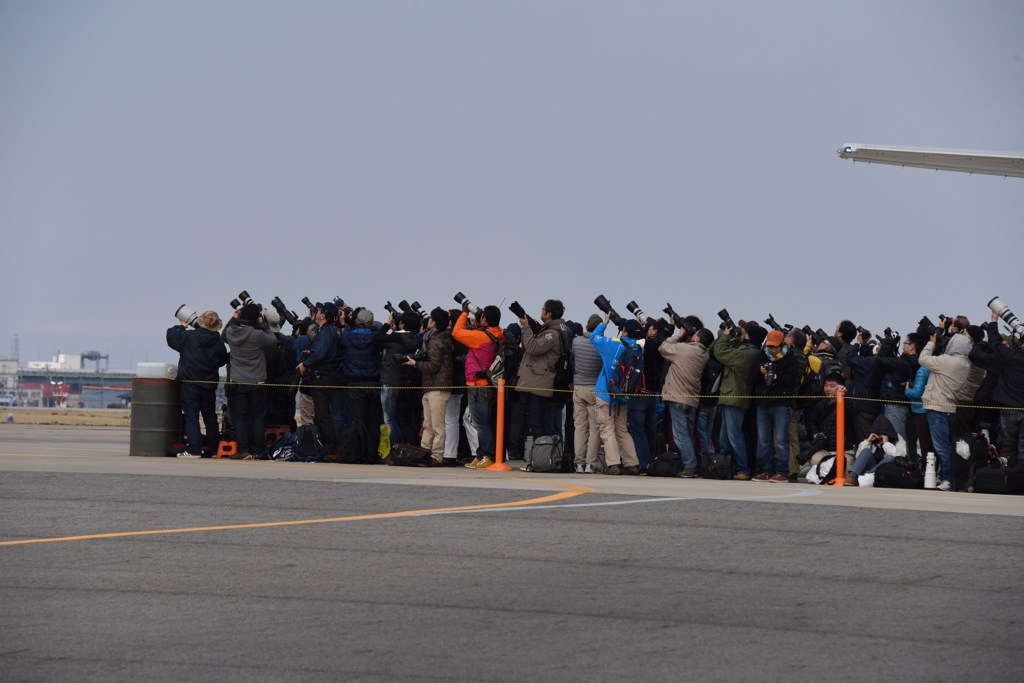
(156, 417)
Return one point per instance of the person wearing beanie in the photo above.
(201, 353)
(775, 388)
(882, 444)
(619, 450)
(739, 356)
(586, 366)
(249, 341)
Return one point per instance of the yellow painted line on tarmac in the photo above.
(572, 491)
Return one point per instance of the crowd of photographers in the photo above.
(766, 395)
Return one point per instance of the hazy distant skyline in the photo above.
(160, 153)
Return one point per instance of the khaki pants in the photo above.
(618, 444)
(305, 409)
(434, 405)
(587, 435)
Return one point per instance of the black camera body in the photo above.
(771, 373)
(418, 356)
(728, 323)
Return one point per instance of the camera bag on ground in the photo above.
(666, 464)
(409, 455)
(999, 479)
(962, 470)
(309, 447)
(547, 454)
(823, 472)
(283, 449)
(627, 380)
(353, 442)
(898, 474)
(717, 465)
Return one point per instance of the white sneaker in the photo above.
(589, 470)
(186, 454)
(944, 486)
(579, 468)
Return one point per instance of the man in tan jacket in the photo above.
(687, 356)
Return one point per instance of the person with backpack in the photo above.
(621, 371)
(483, 343)
(201, 353)
(543, 347)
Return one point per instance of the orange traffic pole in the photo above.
(499, 434)
(840, 438)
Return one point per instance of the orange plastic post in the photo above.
(499, 435)
(840, 438)
(227, 448)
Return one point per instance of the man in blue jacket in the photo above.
(202, 352)
(619, 450)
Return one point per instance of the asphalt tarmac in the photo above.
(121, 568)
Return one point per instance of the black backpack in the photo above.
(667, 464)
(627, 379)
(309, 447)
(353, 443)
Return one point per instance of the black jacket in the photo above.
(1009, 364)
(391, 343)
(202, 352)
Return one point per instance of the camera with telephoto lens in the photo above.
(771, 373)
(1006, 315)
(308, 304)
(282, 310)
(339, 302)
(926, 327)
(391, 309)
(517, 310)
(186, 315)
(727, 323)
(637, 312)
(771, 322)
(466, 304)
(244, 297)
(235, 304)
(678, 320)
(605, 307)
(419, 356)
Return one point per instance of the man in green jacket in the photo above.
(739, 355)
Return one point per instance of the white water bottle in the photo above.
(929, 472)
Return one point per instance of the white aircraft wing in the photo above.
(991, 163)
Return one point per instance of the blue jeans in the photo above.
(683, 419)
(773, 438)
(898, 414)
(731, 439)
(389, 404)
(480, 401)
(865, 462)
(939, 425)
(641, 426)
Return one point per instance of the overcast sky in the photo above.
(159, 153)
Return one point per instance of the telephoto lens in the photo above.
(307, 303)
(244, 297)
(1006, 315)
(234, 303)
(517, 310)
(461, 300)
(638, 312)
(339, 302)
(186, 315)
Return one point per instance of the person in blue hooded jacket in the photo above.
(619, 451)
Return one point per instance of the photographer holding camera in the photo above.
(397, 340)
(250, 341)
(739, 357)
(483, 344)
(1004, 357)
(541, 351)
(687, 356)
(775, 388)
(321, 373)
(436, 362)
(201, 353)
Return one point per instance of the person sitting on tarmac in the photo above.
(883, 444)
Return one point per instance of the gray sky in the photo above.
(160, 153)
